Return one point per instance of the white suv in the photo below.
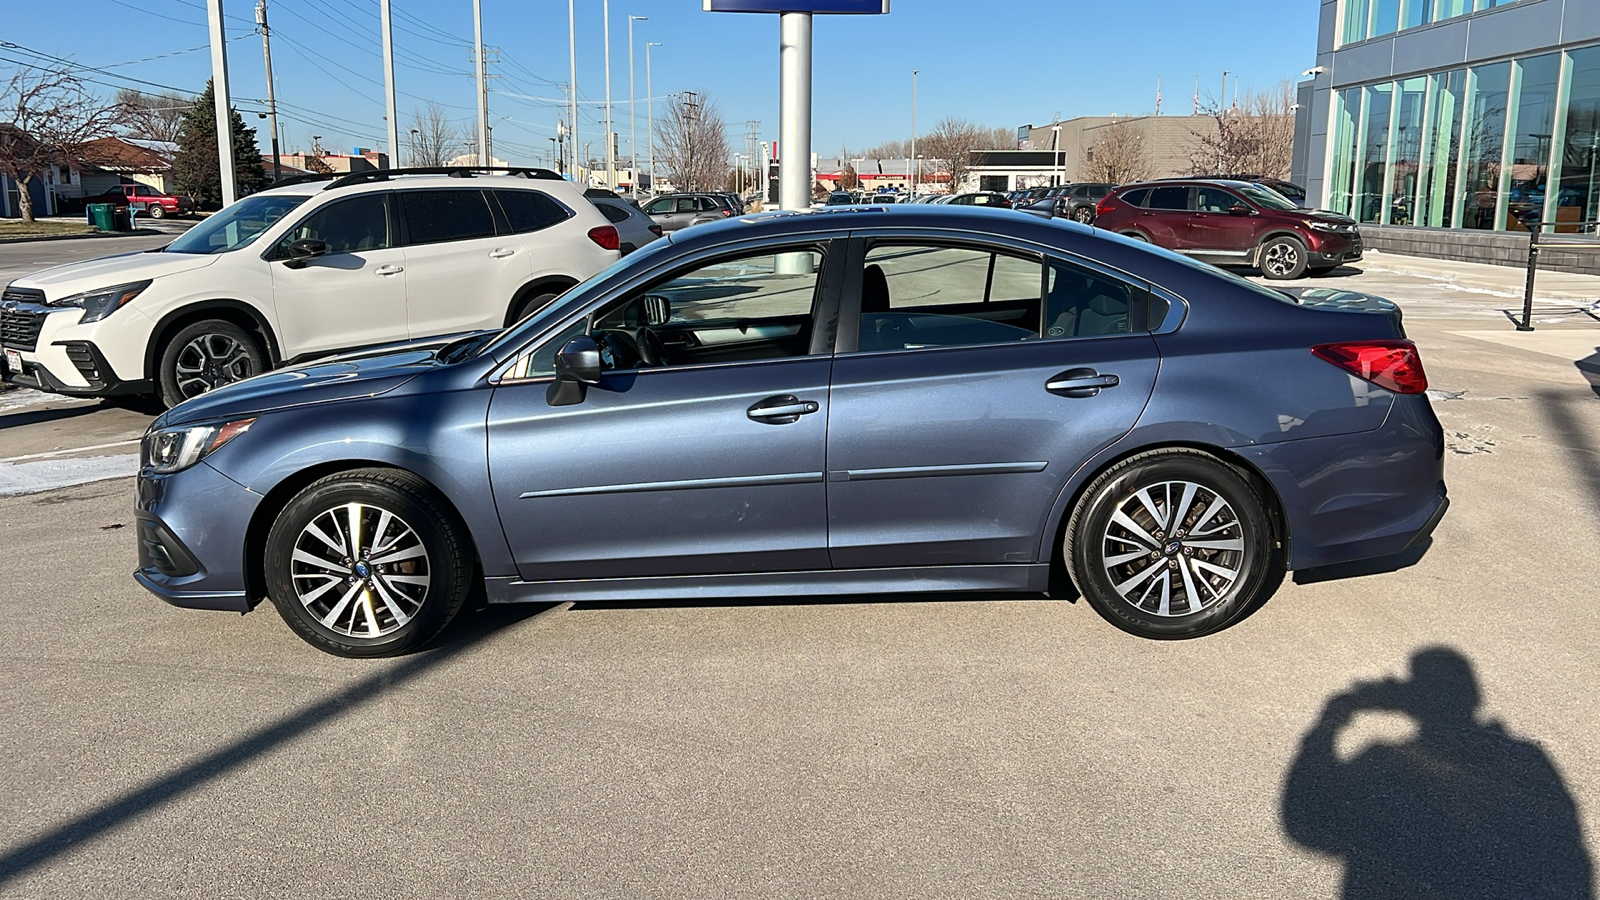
(305, 270)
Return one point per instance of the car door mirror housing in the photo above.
(303, 251)
(577, 366)
(1239, 209)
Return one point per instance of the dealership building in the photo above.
(1455, 122)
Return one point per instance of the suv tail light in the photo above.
(655, 230)
(606, 236)
(727, 213)
(1104, 206)
(1394, 365)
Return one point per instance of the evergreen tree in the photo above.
(195, 165)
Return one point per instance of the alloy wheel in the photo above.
(360, 570)
(1281, 258)
(210, 361)
(1173, 548)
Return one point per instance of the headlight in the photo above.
(175, 449)
(1321, 226)
(98, 304)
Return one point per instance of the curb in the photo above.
(26, 239)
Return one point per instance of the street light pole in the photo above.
(914, 120)
(650, 112)
(572, 87)
(611, 157)
(633, 105)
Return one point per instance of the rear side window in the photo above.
(708, 203)
(1136, 198)
(531, 210)
(614, 215)
(1168, 198)
(433, 217)
(1082, 303)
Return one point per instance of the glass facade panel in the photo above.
(1373, 151)
(1484, 135)
(1365, 19)
(1406, 154)
(1531, 134)
(1445, 9)
(1577, 200)
(1441, 151)
(1347, 113)
(1414, 13)
(1385, 17)
(1355, 21)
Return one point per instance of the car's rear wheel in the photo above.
(368, 563)
(527, 306)
(205, 356)
(155, 211)
(1283, 259)
(1084, 214)
(1135, 236)
(1170, 544)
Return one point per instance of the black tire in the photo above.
(1096, 541)
(1136, 236)
(1084, 214)
(1283, 259)
(529, 305)
(156, 212)
(369, 601)
(207, 355)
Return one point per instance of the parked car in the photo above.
(840, 198)
(1232, 223)
(676, 211)
(1078, 201)
(723, 415)
(980, 198)
(634, 228)
(146, 199)
(303, 270)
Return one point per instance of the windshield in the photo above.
(1266, 197)
(237, 225)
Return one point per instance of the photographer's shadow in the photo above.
(1463, 809)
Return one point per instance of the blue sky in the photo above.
(999, 63)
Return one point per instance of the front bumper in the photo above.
(191, 528)
(63, 357)
(1332, 248)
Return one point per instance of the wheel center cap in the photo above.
(1173, 547)
(362, 570)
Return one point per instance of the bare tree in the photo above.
(888, 150)
(692, 143)
(1255, 137)
(435, 140)
(1117, 155)
(46, 117)
(151, 117)
(950, 146)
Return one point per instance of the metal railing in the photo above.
(1586, 237)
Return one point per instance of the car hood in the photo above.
(347, 377)
(1326, 215)
(72, 278)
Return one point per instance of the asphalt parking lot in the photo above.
(885, 747)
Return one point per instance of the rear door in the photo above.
(460, 274)
(973, 379)
(1165, 217)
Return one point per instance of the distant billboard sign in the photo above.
(856, 7)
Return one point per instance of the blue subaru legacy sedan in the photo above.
(868, 400)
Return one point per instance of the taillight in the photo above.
(1395, 365)
(606, 236)
(1104, 206)
(655, 230)
(726, 213)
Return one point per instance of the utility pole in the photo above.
(272, 103)
(572, 86)
(483, 84)
(650, 111)
(633, 105)
(223, 106)
(388, 85)
(689, 115)
(914, 121)
(611, 157)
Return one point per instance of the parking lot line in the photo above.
(68, 451)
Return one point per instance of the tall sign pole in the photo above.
(388, 85)
(224, 108)
(611, 156)
(913, 126)
(633, 118)
(794, 110)
(572, 90)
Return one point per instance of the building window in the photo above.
(1532, 133)
(1441, 154)
(1373, 152)
(1484, 136)
(1578, 164)
(1346, 130)
(1406, 151)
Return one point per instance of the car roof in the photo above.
(411, 179)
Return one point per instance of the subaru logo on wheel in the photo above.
(1173, 547)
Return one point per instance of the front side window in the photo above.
(346, 226)
(1172, 197)
(1267, 198)
(1215, 200)
(920, 296)
(658, 207)
(434, 217)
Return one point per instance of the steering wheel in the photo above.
(652, 353)
(617, 350)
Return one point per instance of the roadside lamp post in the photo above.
(633, 106)
(650, 114)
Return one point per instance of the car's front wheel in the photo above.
(207, 355)
(368, 563)
(1170, 544)
(1283, 259)
(156, 211)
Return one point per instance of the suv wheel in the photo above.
(156, 211)
(207, 355)
(1283, 259)
(1084, 214)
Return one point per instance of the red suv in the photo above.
(1231, 223)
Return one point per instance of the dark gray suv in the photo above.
(676, 211)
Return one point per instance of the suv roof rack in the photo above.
(303, 179)
(451, 171)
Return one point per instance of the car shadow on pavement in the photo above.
(1574, 434)
(1462, 809)
(35, 416)
(473, 625)
(1590, 367)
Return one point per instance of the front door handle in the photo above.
(1080, 383)
(782, 409)
(388, 270)
(501, 252)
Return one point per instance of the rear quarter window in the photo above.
(614, 215)
(1137, 197)
(533, 211)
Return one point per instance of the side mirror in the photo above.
(304, 251)
(657, 309)
(1239, 209)
(577, 367)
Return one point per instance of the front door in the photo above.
(1215, 229)
(355, 294)
(954, 425)
(700, 452)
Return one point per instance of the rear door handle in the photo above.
(1080, 383)
(782, 409)
(388, 270)
(501, 252)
